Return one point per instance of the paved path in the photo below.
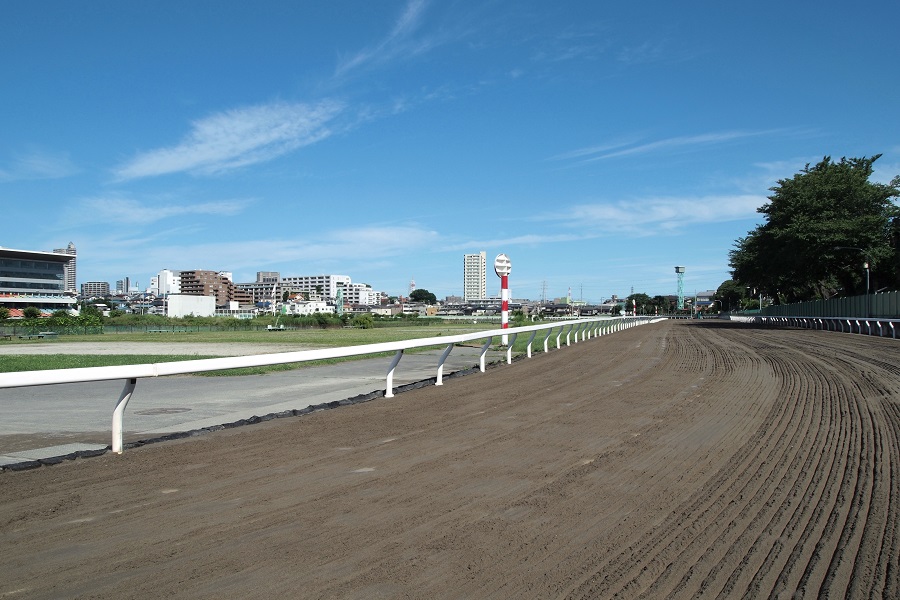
(44, 421)
(676, 460)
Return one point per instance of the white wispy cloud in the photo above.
(527, 239)
(118, 210)
(35, 165)
(397, 43)
(620, 149)
(147, 252)
(648, 216)
(585, 41)
(646, 52)
(237, 138)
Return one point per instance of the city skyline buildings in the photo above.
(167, 281)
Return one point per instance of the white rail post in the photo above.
(531, 339)
(484, 350)
(512, 340)
(118, 414)
(546, 339)
(440, 371)
(389, 388)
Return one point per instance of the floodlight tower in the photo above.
(680, 272)
(339, 302)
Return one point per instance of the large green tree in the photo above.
(731, 294)
(643, 304)
(423, 296)
(795, 255)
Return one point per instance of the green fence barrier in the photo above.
(885, 305)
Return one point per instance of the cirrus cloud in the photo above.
(236, 138)
(114, 209)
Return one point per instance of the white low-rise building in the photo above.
(184, 305)
(305, 308)
(386, 311)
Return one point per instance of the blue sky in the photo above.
(598, 144)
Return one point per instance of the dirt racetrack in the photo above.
(674, 460)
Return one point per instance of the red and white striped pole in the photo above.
(502, 267)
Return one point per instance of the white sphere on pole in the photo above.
(502, 265)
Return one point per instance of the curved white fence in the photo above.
(569, 331)
(865, 326)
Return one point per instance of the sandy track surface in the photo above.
(675, 460)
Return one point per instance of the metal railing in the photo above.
(572, 330)
(871, 326)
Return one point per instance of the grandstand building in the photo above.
(35, 278)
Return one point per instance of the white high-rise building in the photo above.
(166, 282)
(69, 268)
(474, 276)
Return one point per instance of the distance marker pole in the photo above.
(504, 306)
(503, 267)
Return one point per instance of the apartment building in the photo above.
(474, 276)
(361, 293)
(95, 289)
(213, 283)
(325, 286)
(261, 289)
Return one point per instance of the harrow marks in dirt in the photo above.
(676, 460)
(807, 503)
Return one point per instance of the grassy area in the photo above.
(304, 339)
(307, 338)
(41, 362)
(320, 338)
